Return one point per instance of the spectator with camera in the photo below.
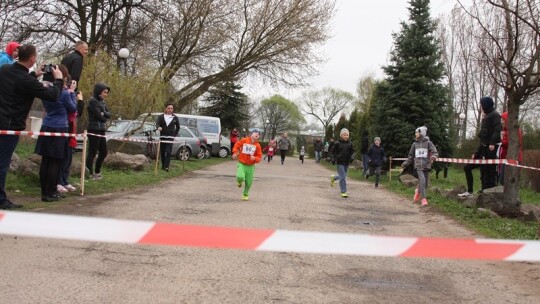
(54, 149)
(18, 88)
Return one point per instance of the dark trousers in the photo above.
(65, 168)
(165, 154)
(488, 173)
(96, 145)
(48, 174)
(8, 143)
(283, 153)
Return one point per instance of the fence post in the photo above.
(83, 161)
(157, 156)
(390, 170)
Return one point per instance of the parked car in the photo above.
(187, 145)
(225, 147)
(204, 143)
(121, 129)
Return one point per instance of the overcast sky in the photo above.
(362, 38)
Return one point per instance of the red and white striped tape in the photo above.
(155, 233)
(509, 162)
(65, 134)
(30, 133)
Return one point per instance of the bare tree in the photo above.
(512, 47)
(325, 104)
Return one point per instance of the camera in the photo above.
(48, 68)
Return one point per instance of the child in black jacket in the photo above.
(375, 158)
(342, 154)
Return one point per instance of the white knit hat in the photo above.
(422, 130)
(344, 130)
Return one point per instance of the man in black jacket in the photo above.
(490, 137)
(74, 62)
(168, 125)
(18, 88)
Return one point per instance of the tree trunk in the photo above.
(511, 173)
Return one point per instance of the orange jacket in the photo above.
(245, 148)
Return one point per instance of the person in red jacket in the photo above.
(248, 152)
(504, 145)
(234, 137)
(270, 150)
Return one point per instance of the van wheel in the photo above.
(223, 152)
(207, 154)
(183, 153)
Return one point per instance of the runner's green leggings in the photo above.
(244, 173)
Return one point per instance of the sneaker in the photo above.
(61, 189)
(367, 176)
(465, 194)
(376, 185)
(424, 202)
(344, 195)
(332, 180)
(97, 177)
(416, 195)
(70, 188)
(245, 197)
(7, 204)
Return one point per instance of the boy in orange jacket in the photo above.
(248, 152)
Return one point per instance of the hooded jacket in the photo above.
(376, 155)
(98, 113)
(490, 127)
(422, 152)
(6, 57)
(318, 145)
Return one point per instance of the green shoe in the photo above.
(245, 197)
(332, 180)
(344, 195)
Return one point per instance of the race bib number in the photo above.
(421, 153)
(248, 149)
(271, 149)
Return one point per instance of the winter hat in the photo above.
(487, 103)
(10, 47)
(344, 130)
(422, 130)
(255, 131)
(377, 139)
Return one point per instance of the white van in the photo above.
(209, 126)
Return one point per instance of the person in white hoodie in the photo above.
(423, 152)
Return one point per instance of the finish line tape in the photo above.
(155, 233)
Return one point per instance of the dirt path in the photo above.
(293, 197)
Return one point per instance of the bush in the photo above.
(531, 178)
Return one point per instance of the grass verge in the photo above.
(481, 222)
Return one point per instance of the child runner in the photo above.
(424, 152)
(375, 159)
(342, 154)
(248, 152)
(270, 150)
(302, 153)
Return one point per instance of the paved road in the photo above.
(292, 196)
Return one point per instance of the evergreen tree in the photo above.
(228, 103)
(412, 94)
(342, 123)
(355, 132)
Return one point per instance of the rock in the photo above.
(15, 163)
(30, 166)
(530, 212)
(408, 180)
(492, 199)
(124, 161)
(489, 212)
(126, 147)
(469, 202)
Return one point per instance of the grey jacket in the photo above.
(284, 143)
(422, 151)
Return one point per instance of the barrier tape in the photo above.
(65, 134)
(509, 162)
(156, 233)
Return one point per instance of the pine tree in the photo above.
(412, 95)
(228, 103)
